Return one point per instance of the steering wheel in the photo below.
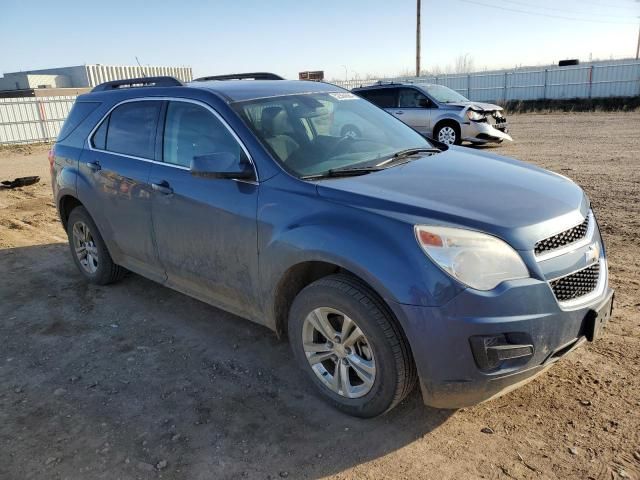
(342, 142)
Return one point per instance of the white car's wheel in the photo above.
(448, 133)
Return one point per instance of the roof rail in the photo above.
(242, 76)
(138, 82)
(387, 82)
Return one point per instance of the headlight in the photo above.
(478, 260)
(475, 116)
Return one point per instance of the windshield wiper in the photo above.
(406, 153)
(390, 161)
(343, 172)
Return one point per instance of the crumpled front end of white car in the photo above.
(480, 125)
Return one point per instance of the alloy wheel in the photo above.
(338, 352)
(351, 133)
(85, 247)
(447, 135)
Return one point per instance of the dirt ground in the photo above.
(134, 380)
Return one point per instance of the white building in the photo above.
(85, 76)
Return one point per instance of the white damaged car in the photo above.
(439, 112)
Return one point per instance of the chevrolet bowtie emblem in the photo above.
(592, 255)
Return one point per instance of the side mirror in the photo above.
(221, 165)
(424, 103)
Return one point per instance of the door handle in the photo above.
(95, 166)
(399, 112)
(162, 187)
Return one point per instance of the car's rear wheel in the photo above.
(89, 251)
(448, 133)
(350, 346)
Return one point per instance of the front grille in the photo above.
(562, 239)
(497, 120)
(576, 284)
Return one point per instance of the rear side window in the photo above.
(191, 130)
(383, 97)
(78, 113)
(130, 129)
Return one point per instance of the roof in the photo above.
(241, 90)
(395, 84)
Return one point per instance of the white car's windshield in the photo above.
(316, 133)
(444, 94)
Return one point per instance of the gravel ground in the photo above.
(137, 381)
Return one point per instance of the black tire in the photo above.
(106, 271)
(351, 131)
(454, 126)
(395, 375)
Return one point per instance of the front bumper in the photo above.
(483, 132)
(440, 339)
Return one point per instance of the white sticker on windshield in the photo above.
(343, 96)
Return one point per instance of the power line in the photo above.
(534, 7)
(609, 4)
(540, 14)
(418, 4)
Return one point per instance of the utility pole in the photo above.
(418, 38)
(638, 47)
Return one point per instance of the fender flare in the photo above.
(407, 277)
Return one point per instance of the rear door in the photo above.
(205, 228)
(413, 109)
(114, 183)
(386, 97)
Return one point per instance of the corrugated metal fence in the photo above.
(31, 120)
(619, 79)
(97, 74)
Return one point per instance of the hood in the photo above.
(477, 106)
(461, 187)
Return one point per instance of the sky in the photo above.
(348, 38)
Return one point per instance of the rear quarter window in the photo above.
(99, 139)
(78, 113)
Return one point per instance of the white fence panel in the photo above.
(619, 81)
(31, 120)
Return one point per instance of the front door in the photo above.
(113, 184)
(413, 109)
(205, 228)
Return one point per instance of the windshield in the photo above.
(444, 94)
(312, 134)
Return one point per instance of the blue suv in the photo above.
(385, 258)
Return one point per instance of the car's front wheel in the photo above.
(448, 133)
(350, 346)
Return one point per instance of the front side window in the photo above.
(411, 98)
(191, 130)
(131, 129)
(310, 134)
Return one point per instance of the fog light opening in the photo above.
(491, 351)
